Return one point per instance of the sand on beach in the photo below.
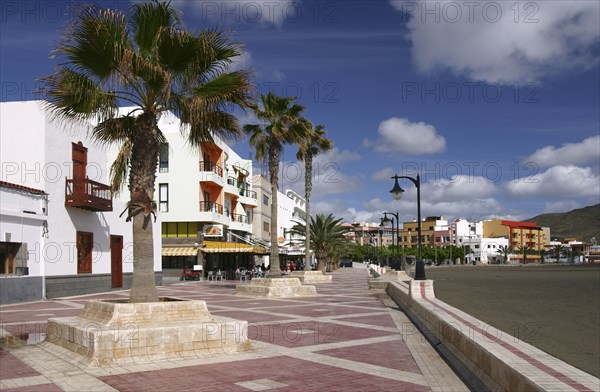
(553, 307)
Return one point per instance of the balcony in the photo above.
(208, 166)
(240, 218)
(88, 195)
(240, 222)
(210, 206)
(247, 197)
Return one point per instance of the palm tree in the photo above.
(505, 251)
(281, 123)
(314, 143)
(525, 250)
(148, 60)
(327, 235)
(557, 251)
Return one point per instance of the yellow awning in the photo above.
(179, 251)
(230, 247)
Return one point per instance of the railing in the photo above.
(240, 218)
(248, 193)
(210, 206)
(231, 181)
(87, 194)
(211, 167)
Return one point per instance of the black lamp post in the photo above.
(394, 241)
(397, 194)
(380, 241)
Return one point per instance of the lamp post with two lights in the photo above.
(397, 192)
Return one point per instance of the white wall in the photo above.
(46, 144)
(23, 227)
(22, 144)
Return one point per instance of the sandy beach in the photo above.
(553, 307)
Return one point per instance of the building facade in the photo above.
(55, 180)
(206, 203)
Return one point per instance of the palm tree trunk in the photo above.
(144, 160)
(274, 152)
(307, 190)
(143, 287)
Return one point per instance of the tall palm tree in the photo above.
(281, 124)
(148, 60)
(557, 251)
(525, 250)
(314, 143)
(505, 251)
(327, 235)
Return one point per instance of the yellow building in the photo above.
(409, 237)
(519, 234)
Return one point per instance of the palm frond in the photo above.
(72, 96)
(96, 42)
(120, 166)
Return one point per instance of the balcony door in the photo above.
(85, 243)
(79, 156)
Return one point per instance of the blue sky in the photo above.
(496, 104)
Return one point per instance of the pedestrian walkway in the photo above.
(344, 339)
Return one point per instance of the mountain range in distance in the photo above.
(581, 223)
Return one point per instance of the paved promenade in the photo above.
(344, 339)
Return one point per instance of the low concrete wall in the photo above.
(20, 289)
(66, 286)
(498, 360)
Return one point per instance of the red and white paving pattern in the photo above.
(344, 339)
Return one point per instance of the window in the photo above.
(266, 226)
(163, 197)
(163, 165)
(266, 200)
(179, 229)
(476, 246)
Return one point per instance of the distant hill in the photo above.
(582, 223)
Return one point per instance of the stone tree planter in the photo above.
(111, 332)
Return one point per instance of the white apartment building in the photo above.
(462, 229)
(58, 220)
(291, 210)
(484, 250)
(205, 202)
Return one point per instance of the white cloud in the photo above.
(585, 152)
(232, 12)
(502, 42)
(241, 62)
(475, 208)
(327, 176)
(558, 181)
(458, 188)
(561, 206)
(401, 135)
(384, 174)
(336, 156)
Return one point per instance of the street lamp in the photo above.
(397, 194)
(380, 241)
(386, 219)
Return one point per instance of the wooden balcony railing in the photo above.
(211, 167)
(210, 206)
(88, 195)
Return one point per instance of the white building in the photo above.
(74, 240)
(291, 210)
(484, 250)
(205, 201)
(462, 230)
